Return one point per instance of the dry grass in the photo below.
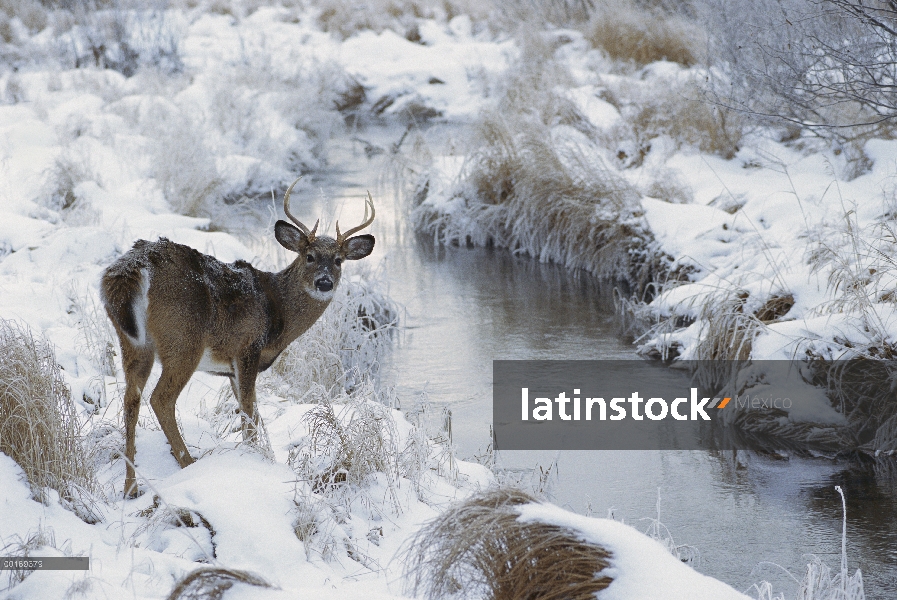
(534, 183)
(535, 180)
(160, 516)
(862, 390)
(673, 105)
(210, 583)
(669, 185)
(632, 32)
(775, 307)
(729, 330)
(527, 193)
(641, 35)
(479, 549)
(39, 427)
(857, 370)
(347, 444)
(345, 19)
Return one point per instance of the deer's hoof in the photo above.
(132, 491)
(185, 460)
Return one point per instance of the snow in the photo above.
(449, 71)
(678, 227)
(600, 113)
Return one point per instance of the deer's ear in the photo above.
(359, 246)
(290, 237)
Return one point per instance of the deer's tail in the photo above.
(124, 289)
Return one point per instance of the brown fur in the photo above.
(241, 317)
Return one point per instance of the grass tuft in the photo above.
(346, 445)
(637, 34)
(39, 427)
(479, 548)
(210, 583)
(528, 191)
(341, 350)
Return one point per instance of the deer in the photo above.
(192, 312)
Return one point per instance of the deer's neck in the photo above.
(293, 309)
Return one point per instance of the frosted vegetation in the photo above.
(599, 136)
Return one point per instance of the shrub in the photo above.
(110, 35)
(825, 67)
(671, 104)
(347, 444)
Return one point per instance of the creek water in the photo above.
(750, 518)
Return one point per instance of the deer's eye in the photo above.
(310, 258)
(338, 261)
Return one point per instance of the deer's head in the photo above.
(321, 257)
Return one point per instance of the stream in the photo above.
(749, 518)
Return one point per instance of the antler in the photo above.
(286, 209)
(369, 202)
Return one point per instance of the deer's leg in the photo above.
(137, 363)
(233, 388)
(245, 371)
(176, 372)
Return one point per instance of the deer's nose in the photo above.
(323, 284)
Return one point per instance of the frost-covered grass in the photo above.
(401, 16)
(818, 583)
(535, 182)
(39, 426)
(482, 547)
(245, 110)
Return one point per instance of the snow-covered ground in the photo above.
(92, 160)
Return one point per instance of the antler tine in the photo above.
(299, 224)
(368, 203)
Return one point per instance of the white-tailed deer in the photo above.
(194, 312)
